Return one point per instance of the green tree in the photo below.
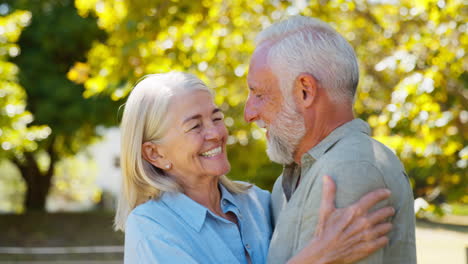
(15, 135)
(412, 59)
(211, 39)
(55, 39)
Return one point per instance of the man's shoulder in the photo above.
(360, 147)
(364, 163)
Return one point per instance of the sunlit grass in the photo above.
(460, 209)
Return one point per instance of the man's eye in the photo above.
(195, 127)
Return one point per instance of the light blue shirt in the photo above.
(176, 229)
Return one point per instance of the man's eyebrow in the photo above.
(198, 116)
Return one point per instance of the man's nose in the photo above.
(250, 111)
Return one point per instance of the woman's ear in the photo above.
(151, 153)
(306, 89)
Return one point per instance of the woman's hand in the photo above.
(348, 234)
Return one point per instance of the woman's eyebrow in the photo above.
(198, 116)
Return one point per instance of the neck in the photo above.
(320, 123)
(205, 193)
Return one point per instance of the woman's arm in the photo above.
(347, 234)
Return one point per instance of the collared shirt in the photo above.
(358, 164)
(176, 229)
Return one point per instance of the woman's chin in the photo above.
(220, 170)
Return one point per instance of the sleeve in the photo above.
(156, 250)
(353, 179)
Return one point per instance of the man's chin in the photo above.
(275, 157)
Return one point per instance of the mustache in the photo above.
(260, 123)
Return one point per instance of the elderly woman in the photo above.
(178, 206)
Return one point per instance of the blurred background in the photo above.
(67, 66)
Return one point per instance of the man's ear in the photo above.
(305, 89)
(151, 153)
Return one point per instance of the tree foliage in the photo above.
(15, 134)
(208, 38)
(55, 39)
(413, 88)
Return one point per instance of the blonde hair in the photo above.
(145, 119)
(308, 45)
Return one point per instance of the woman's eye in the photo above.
(258, 95)
(218, 117)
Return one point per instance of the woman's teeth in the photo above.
(212, 152)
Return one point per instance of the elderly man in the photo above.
(302, 79)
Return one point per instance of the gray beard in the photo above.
(283, 142)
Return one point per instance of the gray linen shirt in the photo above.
(358, 164)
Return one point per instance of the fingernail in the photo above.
(326, 180)
(388, 191)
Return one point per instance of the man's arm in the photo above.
(348, 234)
(353, 180)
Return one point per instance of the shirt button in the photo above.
(247, 246)
(240, 216)
(224, 202)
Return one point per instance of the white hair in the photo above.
(145, 118)
(307, 45)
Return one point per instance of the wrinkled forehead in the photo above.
(259, 59)
(260, 74)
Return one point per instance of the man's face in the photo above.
(267, 106)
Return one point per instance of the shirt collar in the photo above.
(193, 213)
(291, 175)
(227, 196)
(356, 125)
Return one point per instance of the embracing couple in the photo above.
(342, 197)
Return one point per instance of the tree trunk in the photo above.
(38, 183)
(36, 193)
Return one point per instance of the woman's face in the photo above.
(195, 143)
